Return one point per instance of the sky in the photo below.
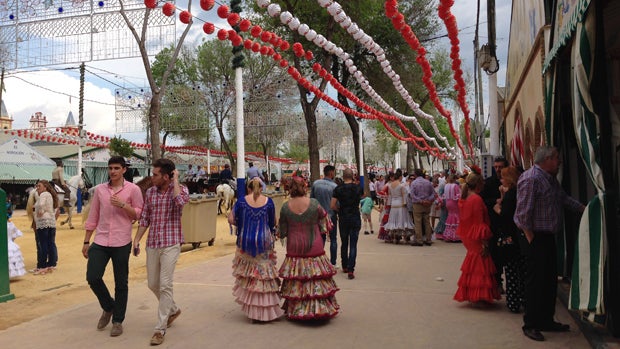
(28, 92)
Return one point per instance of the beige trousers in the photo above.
(160, 264)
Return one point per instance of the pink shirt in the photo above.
(113, 224)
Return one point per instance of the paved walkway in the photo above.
(401, 298)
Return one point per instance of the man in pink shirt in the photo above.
(114, 207)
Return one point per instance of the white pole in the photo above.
(240, 132)
(209, 160)
(493, 115)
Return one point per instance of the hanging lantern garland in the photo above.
(453, 33)
(318, 39)
(309, 86)
(274, 10)
(398, 22)
(340, 16)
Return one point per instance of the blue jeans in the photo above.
(47, 253)
(333, 240)
(349, 233)
(98, 258)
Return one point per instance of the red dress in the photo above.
(477, 281)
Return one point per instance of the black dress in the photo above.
(508, 248)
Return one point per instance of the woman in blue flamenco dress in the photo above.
(477, 283)
(308, 287)
(254, 266)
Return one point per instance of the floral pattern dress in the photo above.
(451, 195)
(254, 266)
(308, 286)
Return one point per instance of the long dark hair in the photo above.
(51, 190)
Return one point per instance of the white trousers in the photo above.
(160, 263)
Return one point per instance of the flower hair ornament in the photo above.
(475, 169)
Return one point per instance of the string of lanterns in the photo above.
(398, 22)
(340, 16)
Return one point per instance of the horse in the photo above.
(226, 197)
(74, 183)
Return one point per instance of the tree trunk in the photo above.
(154, 126)
(226, 146)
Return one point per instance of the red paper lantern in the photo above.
(208, 28)
(283, 63)
(245, 25)
(222, 34)
(247, 43)
(150, 3)
(168, 9)
(265, 36)
(285, 45)
(309, 55)
(207, 5)
(237, 40)
(233, 19)
(264, 50)
(255, 47)
(255, 31)
(185, 17)
(223, 11)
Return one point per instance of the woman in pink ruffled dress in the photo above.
(254, 266)
(308, 287)
(451, 196)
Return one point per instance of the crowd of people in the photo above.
(506, 222)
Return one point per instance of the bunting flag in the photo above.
(586, 292)
(516, 146)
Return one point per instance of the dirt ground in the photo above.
(38, 295)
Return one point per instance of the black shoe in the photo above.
(533, 334)
(366, 233)
(428, 243)
(556, 327)
(417, 244)
(372, 232)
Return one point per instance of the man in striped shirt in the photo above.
(163, 206)
(540, 200)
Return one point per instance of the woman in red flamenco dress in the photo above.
(477, 283)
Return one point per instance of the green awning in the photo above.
(566, 32)
(24, 174)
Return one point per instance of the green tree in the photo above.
(120, 147)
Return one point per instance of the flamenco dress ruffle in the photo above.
(477, 282)
(308, 288)
(257, 285)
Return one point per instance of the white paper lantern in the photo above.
(397, 77)
(334, 9)
(346, 23)
(273, 10)
(286, 17)
(303, 29)
(338, 51)
(329, 47)
(263, 3)
(319, 40)
(358, 35)
(384, 64)
(381, 58)
(340, 17)
(364, 40)
(353, 29)
(358, 75)
(352, 69)
(325, 3)
(348, 63)
(310, 35)
(294, 23)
